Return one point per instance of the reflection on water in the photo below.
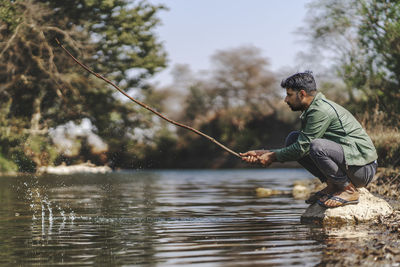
(157, 218)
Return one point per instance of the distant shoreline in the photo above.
(72, 169)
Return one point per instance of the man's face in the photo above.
(293, 99)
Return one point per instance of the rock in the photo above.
(267, 192)
(72, 169)
(313, 184)
(300, 191)
(369, 208)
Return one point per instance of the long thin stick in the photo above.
(146, 106)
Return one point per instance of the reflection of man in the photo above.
(331, 144)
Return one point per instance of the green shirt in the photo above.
(328, 120)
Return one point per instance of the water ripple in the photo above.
(165, 218)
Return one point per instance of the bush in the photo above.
(7, 165)
(387, 143)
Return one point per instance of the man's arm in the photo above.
(315, 126)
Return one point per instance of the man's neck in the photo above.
(307, 101)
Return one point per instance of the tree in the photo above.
(379, 34)
(240, 78)
(41, 87)
(121, 32)
(364, 36)
(235, 102)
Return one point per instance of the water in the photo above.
(157, 218)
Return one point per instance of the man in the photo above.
(331, 144)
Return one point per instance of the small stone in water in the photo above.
(300, 192)
(266, 192)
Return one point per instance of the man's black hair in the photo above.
(300, 81)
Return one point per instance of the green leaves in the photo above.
(9, 14)
(42, 88)
(365, 38)
(122, 32)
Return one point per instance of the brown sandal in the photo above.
(342, 202)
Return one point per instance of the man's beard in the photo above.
(295, 108)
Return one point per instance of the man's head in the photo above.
(300, 90)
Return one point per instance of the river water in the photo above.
(158, 218)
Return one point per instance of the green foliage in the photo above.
(385, 138)
(12, 139)
(236, 104)
(125, 46)
(379, 33)
(188, 150)
(364, 36)
(239, 79)
(197, 103)
(7, 165)
(387, 143)
(42, 88)
(9, 15)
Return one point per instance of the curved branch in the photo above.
(10, 40)
(146, 106)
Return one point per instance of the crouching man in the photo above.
(331, 144)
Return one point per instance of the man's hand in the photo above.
(264, 157)
(267, 158)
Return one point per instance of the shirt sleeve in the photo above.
(316, 123)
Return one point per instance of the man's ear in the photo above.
(303, 93)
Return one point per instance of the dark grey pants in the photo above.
(326, 161)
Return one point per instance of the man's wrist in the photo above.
(276, 154)
(273, 156)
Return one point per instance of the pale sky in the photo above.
(193, 30)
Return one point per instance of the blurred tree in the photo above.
(175, 94)
(41, 87)
(235, 102)
(240, 78)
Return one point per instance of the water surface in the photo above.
(158, 218)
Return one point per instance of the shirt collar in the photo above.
(318, 96)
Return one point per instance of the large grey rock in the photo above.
(369, 208)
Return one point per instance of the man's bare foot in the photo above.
(349, 195)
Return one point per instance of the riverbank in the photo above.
(386, 183)
(383, 248)
(358, 248)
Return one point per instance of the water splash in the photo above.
(45, 212)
